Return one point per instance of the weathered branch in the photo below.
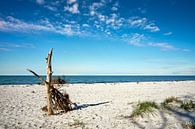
(36, 75)
(48, 85)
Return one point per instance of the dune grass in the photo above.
(143, 108)
(188, 105)
(170, 100)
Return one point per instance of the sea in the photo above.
(18, 80)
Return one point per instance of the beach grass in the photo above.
(190, 105)
(170, 100)
(186, 105)
(144, 107)
(78, 124)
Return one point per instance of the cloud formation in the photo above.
(5, 46)
(143, 23)
(14, 24)
(40, 2)
(168, 33)
(4, 49)
(167, 47)
(72, 7)
(93, 14)
(163, 46)
(51, 8)
(79, 18)
(140, 40)
(71, 1)
(135, 39)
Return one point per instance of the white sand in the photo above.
(103, 106)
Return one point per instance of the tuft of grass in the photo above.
(143, 108)
(188, 105)
(170, 100)
(78, 123)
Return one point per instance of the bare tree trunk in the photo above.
(55, 99)
(48, 84)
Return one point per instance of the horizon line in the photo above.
(101, 75)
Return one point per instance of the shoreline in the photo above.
(102, 105)
(30, 80)
(102, 83)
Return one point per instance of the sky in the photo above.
(98, 37)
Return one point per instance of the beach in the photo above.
(99, 106)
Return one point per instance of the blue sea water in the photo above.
(16, 80)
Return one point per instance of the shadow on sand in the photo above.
(164, 121)
(81, 106)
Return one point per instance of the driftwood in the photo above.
(55, 99)
(58, 81)
(60, 102)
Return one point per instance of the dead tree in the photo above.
(55, 99)
(48, 85)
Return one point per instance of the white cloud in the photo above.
(40, 2)
(151, 27)
(13, 24)
(134, 39)
(2, 25)
(110, 20)
(167, 47)
(51, 8)
(137, 22)
(92, 13)
(168, 33)
(143, 23)
(71, 1)
(94, 7)
(68, 30)
(114, 8)
(73, 9)
(163, 46)
(56, 3)
(114, 21)
(140, 40)
(5, 46)
(186, 50)
(85, 25)
(141, 10)
(4, 49)
(22, 45)
(101, 17)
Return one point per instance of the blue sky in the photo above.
(89, 37)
